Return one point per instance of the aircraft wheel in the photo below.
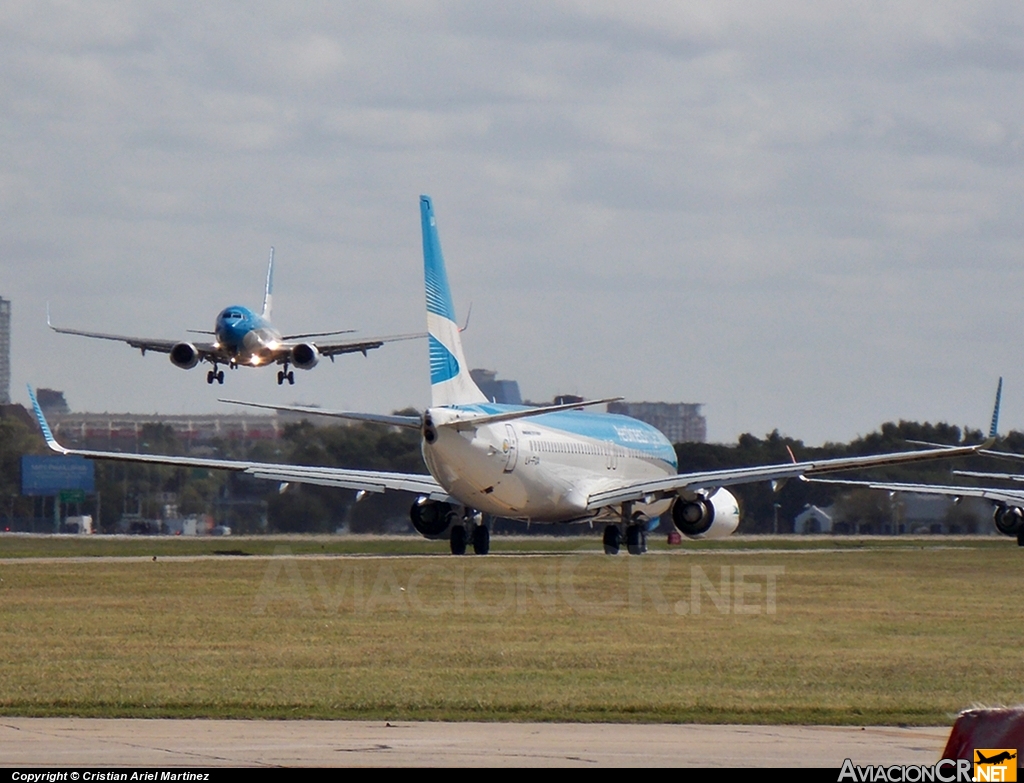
(636, 540)
(280, 377)
(612, 539)
(481, 540)
(291, 378)
(458, 540)
(220, 377)
(209, 377)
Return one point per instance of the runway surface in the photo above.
(212, 743)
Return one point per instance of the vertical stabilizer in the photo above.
(993, 430)
(450, 383)
(268, 296)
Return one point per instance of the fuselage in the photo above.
(543, 468)
(248, 337)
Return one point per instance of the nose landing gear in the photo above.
(285, 375)
(215, 375)
(479, 536)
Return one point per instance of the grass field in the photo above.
(836, 631)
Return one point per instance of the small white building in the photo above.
(813, 520)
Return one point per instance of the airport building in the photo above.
(681, 422)
(5, 351)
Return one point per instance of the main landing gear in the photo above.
(215, 375)
(636, 533)
(285, 375)
(479, 536)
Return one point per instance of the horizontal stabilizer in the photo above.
(491, 418)
(412, 422)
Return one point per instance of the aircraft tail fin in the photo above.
(268, 296)
(993, 430)
(450, 382)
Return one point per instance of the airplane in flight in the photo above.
(1008, 504)
(549, 464)
(243, 338)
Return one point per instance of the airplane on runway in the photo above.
(551, 464)
(1008, 504)
(242, 338)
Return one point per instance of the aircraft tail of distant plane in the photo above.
(993, 430)
(450, 382)
(268, 296)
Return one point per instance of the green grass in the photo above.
(883, 631)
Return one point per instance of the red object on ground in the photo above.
(985, 728)
(675, 538)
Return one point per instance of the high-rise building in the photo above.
(495, 390)
(680, 422)
(5, 351)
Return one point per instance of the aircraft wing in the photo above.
(206, 350)
(363, 345)
(1009, 496)
(365, 480)
(695, 482)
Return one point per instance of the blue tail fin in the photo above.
(450, 383)
(993, 430)
(268, 296)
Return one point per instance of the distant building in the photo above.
(681, 422)
(506, 392)
(5, 351)
(124, 430)
(813, 520)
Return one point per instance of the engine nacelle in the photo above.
(185, 356)
(305, 356)
(716, 516)
(1009, 520)
(430, 517)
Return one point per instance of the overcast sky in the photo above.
(807, 216)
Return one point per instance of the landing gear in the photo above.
(458, 540)
(612, 539)
(215, 375)
(285, 375)
(481, 540)
(636, 539)
(468, 527)
(636, 532)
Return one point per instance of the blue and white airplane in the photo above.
(242, 338)
(1007, 504)
(552, 464)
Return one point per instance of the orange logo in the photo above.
(995, 764)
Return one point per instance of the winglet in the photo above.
(993, 430)
(268, 296)
(50, 440)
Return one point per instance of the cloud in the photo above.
(804, 216)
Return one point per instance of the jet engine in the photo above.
(1009, 520)
(185, 356)
(305, 356)
(430, 517)
(716, 516)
